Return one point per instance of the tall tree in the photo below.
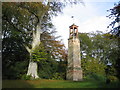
(115, 16)
(115, 31)
(27, 21)
(55, 49)
(97, 48)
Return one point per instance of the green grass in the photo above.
(44, 83)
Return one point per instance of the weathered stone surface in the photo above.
(74, 70)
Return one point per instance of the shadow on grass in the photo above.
(86, 84)
(111, 85)
(57, 84)
(16, 84)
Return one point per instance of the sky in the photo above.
(89, 17)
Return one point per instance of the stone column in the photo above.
(74, 71)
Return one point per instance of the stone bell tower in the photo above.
(74, 70)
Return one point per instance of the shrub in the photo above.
(113, 78)
(95, 77)
(57, 76)
(45, 74)
(26, 77)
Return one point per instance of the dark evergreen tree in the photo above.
(115, 31)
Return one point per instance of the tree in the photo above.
(115, 16)
(115, 31)
(93, 66)
(12, 48)
(56, 52)
(27, 21)
(97, 48)
(24, 23)
(89, 53)
(85, 44)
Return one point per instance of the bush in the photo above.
(95, 77)
(57, 76)
(26, 77)
(113, 78)
(44, 74)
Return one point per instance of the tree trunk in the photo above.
(32, 68)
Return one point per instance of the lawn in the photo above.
(44, 83)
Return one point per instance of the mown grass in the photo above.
(44, 83)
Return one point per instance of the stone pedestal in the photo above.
(74, 70)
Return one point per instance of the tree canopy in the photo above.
(115, 31)
(21, 23)
(97, 50)
(115, 16)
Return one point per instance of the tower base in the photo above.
(74, 74)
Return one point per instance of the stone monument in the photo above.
(74, 70)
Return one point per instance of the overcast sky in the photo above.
(90, 17)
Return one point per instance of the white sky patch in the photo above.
(80, 12)
(63, 27)
(100, 0)
(99, 23)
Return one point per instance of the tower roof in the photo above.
(73, 26)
